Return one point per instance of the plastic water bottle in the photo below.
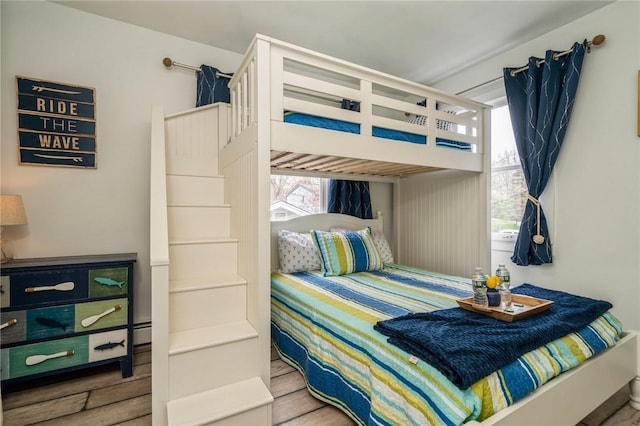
(505, 286)
(479, 283)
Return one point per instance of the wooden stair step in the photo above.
(196, 175)
(176, 286)
(199, 338)
(200, 205)
(196, 241)
(194, 189)
(204, 308)
(188, 222)
(218, 404)
(202, 258)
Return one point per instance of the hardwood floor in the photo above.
(100, 396)
(96, 396)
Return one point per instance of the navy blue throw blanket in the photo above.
(466, 346)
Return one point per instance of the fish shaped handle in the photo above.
(37, 359)
(67, 286)
(8, 323)
(93, 318)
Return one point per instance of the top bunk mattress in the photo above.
(380, 132)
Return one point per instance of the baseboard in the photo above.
(142, 333)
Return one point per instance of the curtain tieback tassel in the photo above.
(537, 238)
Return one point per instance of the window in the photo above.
(294, 196)
(508, 186)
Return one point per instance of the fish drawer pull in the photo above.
(109, 345)
(68, 286)
(51, 323)
(109, 282)
(37, 359)
(93, 318)
(8, 323)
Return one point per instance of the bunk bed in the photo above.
(277, 80)
(399, 128)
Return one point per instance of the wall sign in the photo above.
(56, 123)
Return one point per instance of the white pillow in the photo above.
(440, 124)
(420, 120)
(383, 246)
(297, 252)
(379, 240)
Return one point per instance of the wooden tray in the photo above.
(530, 306)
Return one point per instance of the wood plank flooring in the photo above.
(100, 396)
(96, 396)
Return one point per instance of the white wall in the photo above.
(382, 200)
(595, 205)
(106, 210)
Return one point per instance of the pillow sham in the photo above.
(297, 252)
(347, 252)
(422, 121)
(381, 242)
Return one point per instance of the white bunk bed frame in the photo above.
(272, 78)
(304, 81)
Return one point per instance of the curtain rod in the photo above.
(167, 62)
(596, 41)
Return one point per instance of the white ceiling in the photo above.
(423, 41)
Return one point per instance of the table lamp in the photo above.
(11, 213)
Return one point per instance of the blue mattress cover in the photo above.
(348, 127)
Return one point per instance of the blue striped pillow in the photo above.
(347, 252)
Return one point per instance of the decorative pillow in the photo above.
(383, 246)
(418, 119)
(297, 252)
(440, 124)
(422, 120)
(380, 240)
(347, 252)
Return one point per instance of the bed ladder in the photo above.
(205, 348)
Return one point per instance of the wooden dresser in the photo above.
(64, 313)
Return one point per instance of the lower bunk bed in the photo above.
(324, 326)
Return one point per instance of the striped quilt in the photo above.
(324, 327)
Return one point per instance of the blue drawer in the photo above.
(55, 321)
(47, 287)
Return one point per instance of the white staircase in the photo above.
(210, 372)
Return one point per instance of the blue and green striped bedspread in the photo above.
(324, 326)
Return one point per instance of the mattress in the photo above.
(324, 327)
(348, 127)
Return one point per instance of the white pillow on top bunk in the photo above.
(297, 252)
(379, 240)
(421, 120)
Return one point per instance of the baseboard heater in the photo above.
(142, 333)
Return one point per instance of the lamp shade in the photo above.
(12, 210)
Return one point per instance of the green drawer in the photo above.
(106, 282)
(76, 347)
(113, 319)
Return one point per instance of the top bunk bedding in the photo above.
(379, 132)
(290, 98)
